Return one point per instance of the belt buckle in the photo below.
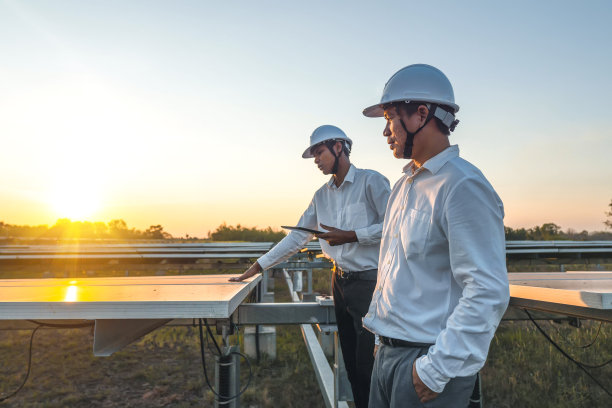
(390, 341)
(341, 273)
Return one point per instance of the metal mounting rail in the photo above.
(283, 313)
(255, 249)
(323, 372)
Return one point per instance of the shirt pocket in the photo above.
(414, 231)
(355, 217)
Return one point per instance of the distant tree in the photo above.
(100, 229)
(240, 233)
(577, 236)
(117, 225)
(119, 229)
(157, 232)
(546, 232)
(61, 229)
(600, 236)
(608, 222)
(515, 234)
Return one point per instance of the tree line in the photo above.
(553, 232)
(67, 229)
(118, 229)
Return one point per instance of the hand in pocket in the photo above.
(422, 391)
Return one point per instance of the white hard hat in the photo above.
(323, 133)
(415, 83)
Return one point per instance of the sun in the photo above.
(76, 201)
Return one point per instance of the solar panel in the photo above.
(581, 294)
(123, 308)
(159, 297)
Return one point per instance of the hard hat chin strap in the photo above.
(330, 145)
(410, 136)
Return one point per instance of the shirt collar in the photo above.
(435, 163)
(350, 177)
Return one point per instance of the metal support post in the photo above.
(260, 339)
(296, 277)
(309, 271)
(267, 288)
(325, 334)
(259, 291)
(342, 386)
(227, 379)
(264, 282)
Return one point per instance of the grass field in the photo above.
(164, 368)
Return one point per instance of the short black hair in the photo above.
(345, 146)
(411, 107)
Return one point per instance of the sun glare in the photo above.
(77, 201)
(71, 294)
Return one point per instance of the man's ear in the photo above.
(338, 148)
(423, 111)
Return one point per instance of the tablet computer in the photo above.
(311, 231)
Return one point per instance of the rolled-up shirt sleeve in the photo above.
(474, 226)
(293, 242)
(377, 194)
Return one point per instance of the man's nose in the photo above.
(387, 131)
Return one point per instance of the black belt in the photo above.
(388, 341)
(369, 275)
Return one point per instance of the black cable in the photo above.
(587, 365)
(579, 364)
(4, 398)
(63, 326)
(594, 339)
(202, 353)
(207, 342)
(211, 335)
(226, 399)
(209, 345)
(257, 342)
(577, 345)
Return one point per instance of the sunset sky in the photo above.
(193, 113)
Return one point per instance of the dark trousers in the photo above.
(392, 385)
(351, 302)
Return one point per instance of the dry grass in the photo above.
(525, 370)
(164, 369)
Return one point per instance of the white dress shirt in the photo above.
(442, 278)
(357, 205)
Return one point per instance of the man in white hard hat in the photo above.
(351, 207)
(442, 282)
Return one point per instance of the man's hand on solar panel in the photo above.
(255, 268)
(335, 236)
